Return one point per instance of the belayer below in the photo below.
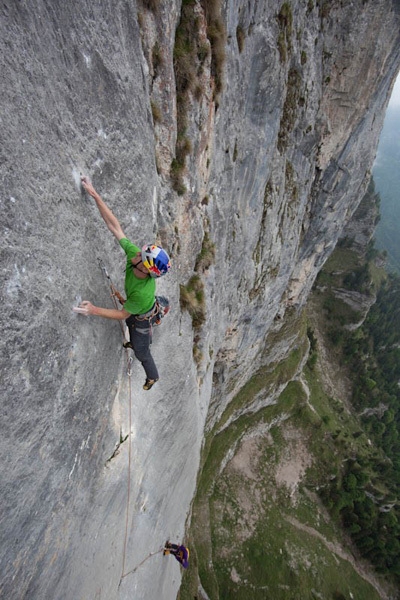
(141, 308)
(181, 553)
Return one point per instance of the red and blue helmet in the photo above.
(156, 260)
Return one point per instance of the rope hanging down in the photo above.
(115, 294)
(141, 563)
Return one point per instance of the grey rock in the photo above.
(284, 160)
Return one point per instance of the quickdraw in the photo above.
(114, 292)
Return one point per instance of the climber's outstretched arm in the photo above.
(109, 218)
(87, 308)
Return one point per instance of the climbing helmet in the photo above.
(156, 260)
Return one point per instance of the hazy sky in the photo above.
(395, 97)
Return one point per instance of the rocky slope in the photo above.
(281, 136)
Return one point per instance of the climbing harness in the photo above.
(150, 314)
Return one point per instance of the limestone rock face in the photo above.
(277, 166)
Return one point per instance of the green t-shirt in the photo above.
(140, 293)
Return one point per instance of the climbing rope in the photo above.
(128, 500)
(115, 294)
(141, 563)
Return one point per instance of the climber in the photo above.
(181, 553)
(140, 309)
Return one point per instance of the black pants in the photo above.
(140, 334)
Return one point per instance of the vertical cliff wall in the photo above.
(277, 162)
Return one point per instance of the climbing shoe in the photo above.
(127, 345)
(148, 384)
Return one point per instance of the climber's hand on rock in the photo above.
(85, 308)
(87, 184)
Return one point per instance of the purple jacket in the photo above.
(182, 556)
